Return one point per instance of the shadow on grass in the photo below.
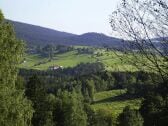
(122, 97)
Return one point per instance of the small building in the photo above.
(56, 67)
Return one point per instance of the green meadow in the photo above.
(114, 101)
(73, 58)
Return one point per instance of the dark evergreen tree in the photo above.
(90, 89)
(154, 110)
(37, 94)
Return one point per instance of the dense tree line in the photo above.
(49, 50)
(85, 50)
(95, 73)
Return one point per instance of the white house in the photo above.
(55, 67)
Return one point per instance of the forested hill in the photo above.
(39, 35)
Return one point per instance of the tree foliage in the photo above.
(15, 109)
(144, 26)
(70, 110)
(130, 118)
(42, 103)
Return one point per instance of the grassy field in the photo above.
(72, 58)
(114, 101)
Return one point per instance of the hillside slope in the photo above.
(39, 35)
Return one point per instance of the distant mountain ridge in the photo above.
(36, 35)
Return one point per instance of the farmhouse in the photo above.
(55, 67)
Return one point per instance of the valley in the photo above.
(86, 76)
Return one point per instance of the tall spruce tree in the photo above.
(15, 109)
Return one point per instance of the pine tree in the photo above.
(90, 88)
(15, 109)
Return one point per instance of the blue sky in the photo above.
(75, 16)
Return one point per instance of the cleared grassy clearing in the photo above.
(114, 101)
(69, 59)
